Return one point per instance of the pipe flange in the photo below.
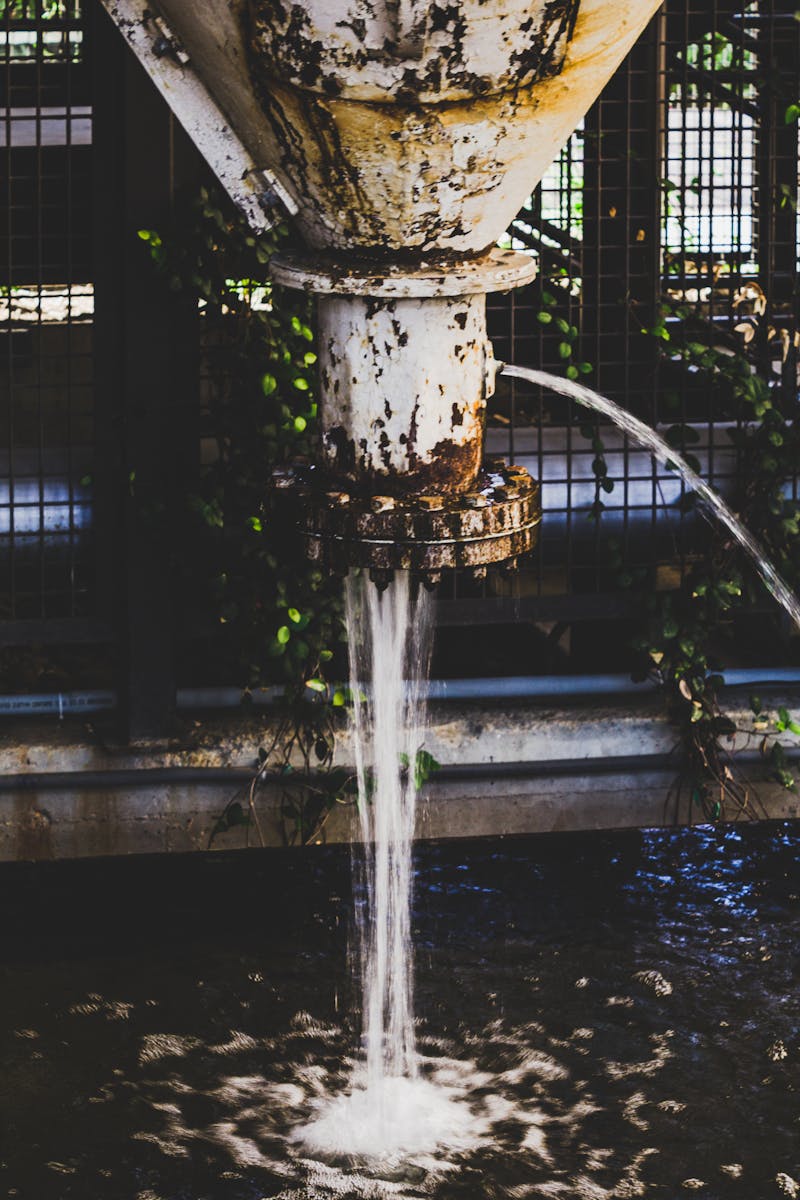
(491, 525)
(426, 277)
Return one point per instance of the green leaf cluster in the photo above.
(279, 616)
(677, 641)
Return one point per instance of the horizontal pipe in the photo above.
(238, 777)
(511, 687)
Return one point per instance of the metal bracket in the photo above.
(257, 192)
(167, 42)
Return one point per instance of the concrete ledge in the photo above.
(508, 768)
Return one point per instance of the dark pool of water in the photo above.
(623, 1011)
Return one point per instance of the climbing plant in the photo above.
(676, 641)
(731, 365)
(280, 614)
(279, 618)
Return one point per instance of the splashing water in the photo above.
(639, 432)
(390, 1112)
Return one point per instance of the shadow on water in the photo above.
(620, 1011)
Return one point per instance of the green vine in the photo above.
(681, 626)
(278, 617)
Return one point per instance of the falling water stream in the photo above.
(392, 1111)
(646, 437)
(600, 1015)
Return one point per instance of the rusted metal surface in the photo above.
(399, 277)
(405, 368)
(411, 51)
(441, 160)
(493, 523)
(409, 132)
(403, 390)
(434, 153)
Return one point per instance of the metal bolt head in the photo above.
(429, 502)
(380, 504)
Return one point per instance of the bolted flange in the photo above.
(495, 522)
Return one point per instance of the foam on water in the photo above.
(394, 1121)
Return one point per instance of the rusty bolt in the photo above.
(430, 502)
(476, 500)
(338, 498)
(380, 504)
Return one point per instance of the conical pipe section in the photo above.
(401, 125)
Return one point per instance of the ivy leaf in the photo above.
(424, 766)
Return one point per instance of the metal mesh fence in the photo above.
(46, 307)
(681, 183)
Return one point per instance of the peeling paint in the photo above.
(422, 131)
(360, 51)
(413, 383)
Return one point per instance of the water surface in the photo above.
(619, 1012)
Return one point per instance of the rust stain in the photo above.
(32, 827)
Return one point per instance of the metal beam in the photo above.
(255, 189)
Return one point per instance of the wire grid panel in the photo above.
(680, 185)
(46, 308)
(671, 186)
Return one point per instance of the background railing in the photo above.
(681, 184)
